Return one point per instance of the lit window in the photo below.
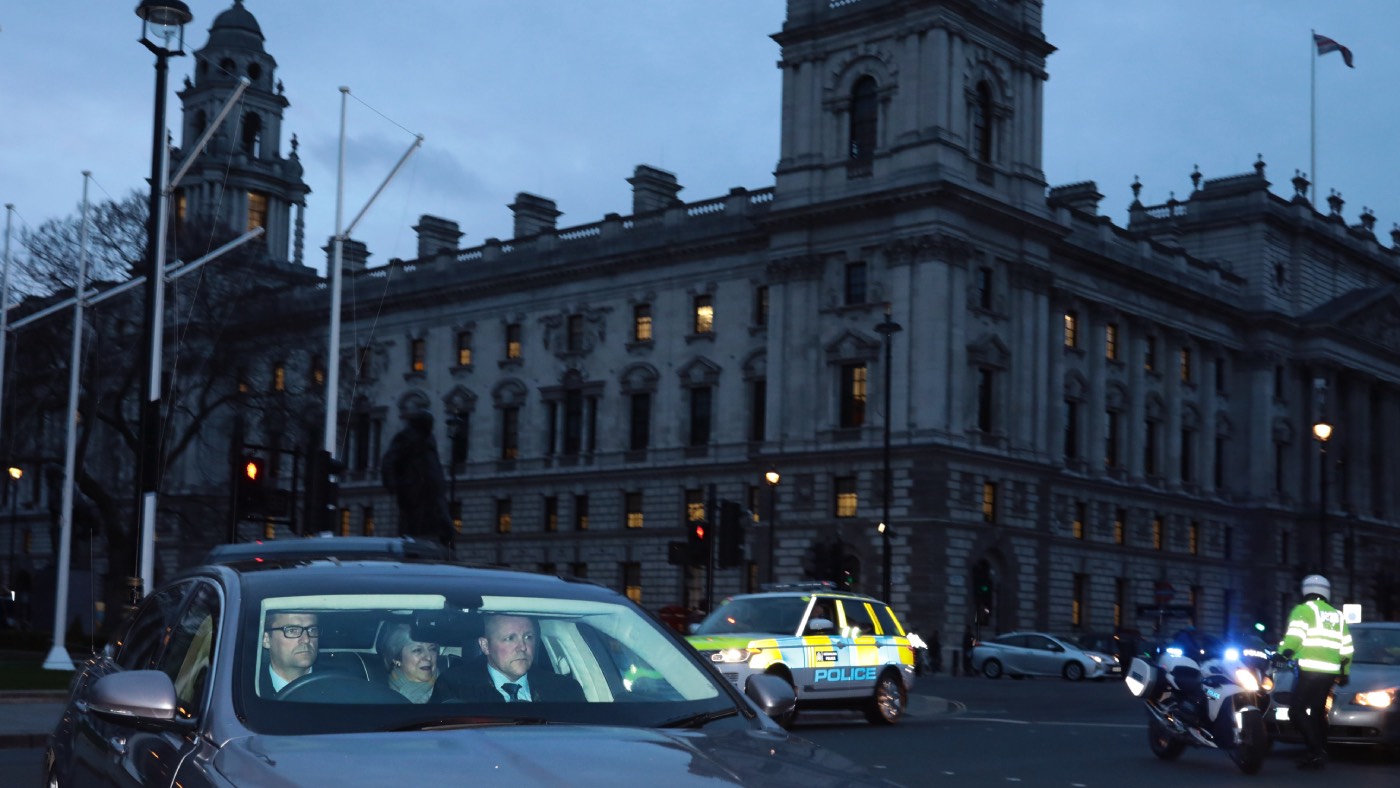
(1195, 538)
(1120, 523)
(1110, 337)
(257, 210)
(279, 377)
(1078, 526)
(513, 340)
(345, 521)
(464, 348)
(1076, 613)
(853, 395)
(1157, 533)
(634, 510)
(989, 502)
(632, 581)
(694, 506)
(417, 352)
(641, 323)
(704, 314)
(318, 372)
(1186, 365)
(846, 497)
(503, 516)
(1071, 329)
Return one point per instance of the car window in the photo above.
(1015, 641)
(186, 660)
(1040, 643)
(889, 624)
(1376, 645)
(777, 615)
(138, 647)
(858, 622)
(824, 608)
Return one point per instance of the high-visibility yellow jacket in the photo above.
(1318, 637)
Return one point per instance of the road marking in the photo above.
(1005, 721)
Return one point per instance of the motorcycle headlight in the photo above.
(1246, 679)
(1378, 699)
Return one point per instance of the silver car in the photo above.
(1367, 710)
(1040, 654)
(185, 695)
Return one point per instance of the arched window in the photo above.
(252, 134)
(982, 123)
(863, 120)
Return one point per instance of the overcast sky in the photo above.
(563, 98)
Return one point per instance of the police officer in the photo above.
(1318, 639)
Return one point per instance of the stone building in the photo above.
(1066, 423)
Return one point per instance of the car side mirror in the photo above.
(144, 698)
(773, 695)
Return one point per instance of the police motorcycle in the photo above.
(1201, 693)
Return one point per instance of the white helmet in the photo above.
(1317, 584)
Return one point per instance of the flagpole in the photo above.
(1312, 115)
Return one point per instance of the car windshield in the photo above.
(1376, 645)
(777, 615)
(421, 657)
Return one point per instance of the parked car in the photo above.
(1040, 654)
(185, 695)
(834, 648)
(1367, 710)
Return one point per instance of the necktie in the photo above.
(513, 689)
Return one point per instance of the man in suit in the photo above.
(291, 642)
(509, 643)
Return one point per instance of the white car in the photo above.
(1039, 654)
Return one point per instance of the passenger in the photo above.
(412, 666)
(292, 642)
(509, 644)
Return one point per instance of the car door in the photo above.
(1014, 654)
(1043, 655)
(98, 744)
(824, 649)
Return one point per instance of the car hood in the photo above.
(729, 640)
(1367, 676)
(538, 755)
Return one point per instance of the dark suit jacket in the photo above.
(471, 683)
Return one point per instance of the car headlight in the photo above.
(731, 655)
(1096, 657)
(1378, 699)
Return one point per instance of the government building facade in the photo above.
(1064, 423)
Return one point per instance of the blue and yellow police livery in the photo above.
(836, 649)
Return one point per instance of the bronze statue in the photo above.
(413, 473)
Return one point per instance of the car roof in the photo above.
(805, 590)
(314, 547)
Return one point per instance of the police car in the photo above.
(836, 649)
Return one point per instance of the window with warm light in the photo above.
(1184, 358)
(1076, 612)
(1110, 341)
(503, 516)
(345, 521)
(694, 506)
(1158, 538)
(641, 323)
(513, 346)
(1194, 538)
(1120, 526)
(989, 502)
(464, 348)
(1077, 527)
(853, 395)
(634, 510)
(318, 372)
(632, 580)
(418, 355)
(704, 314)
(279, 376)
(1071, 329)
(846, 498)
(257, 210)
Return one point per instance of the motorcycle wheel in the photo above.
(1253, 745)
(1163, 744)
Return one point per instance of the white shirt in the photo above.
(498, 678)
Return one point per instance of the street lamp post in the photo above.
(16, 473)
(1322, 431)
(162, 22)
(772, 477)
(454, 434)
(888, 329)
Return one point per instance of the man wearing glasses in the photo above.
(292, 642)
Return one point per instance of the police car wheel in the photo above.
(886, 706)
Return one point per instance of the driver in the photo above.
(292, 642)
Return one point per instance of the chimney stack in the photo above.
(436, 236)
(653, 189)
(533, 215)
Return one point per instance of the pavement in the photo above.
(28, 717)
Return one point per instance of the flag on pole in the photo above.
(1326, 45)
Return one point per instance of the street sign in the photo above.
(1163, 592)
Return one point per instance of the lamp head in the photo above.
(161, 22)
(1322, 431)
(16, 473)
(772, 477)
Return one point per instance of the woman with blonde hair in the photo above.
(412, 666)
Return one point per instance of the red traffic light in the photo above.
(700, 532)
(252, 469)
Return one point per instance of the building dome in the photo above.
(236, 28)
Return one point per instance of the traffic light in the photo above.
(251, 488)
(322, 492)
(697, 537)
(731, 534)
